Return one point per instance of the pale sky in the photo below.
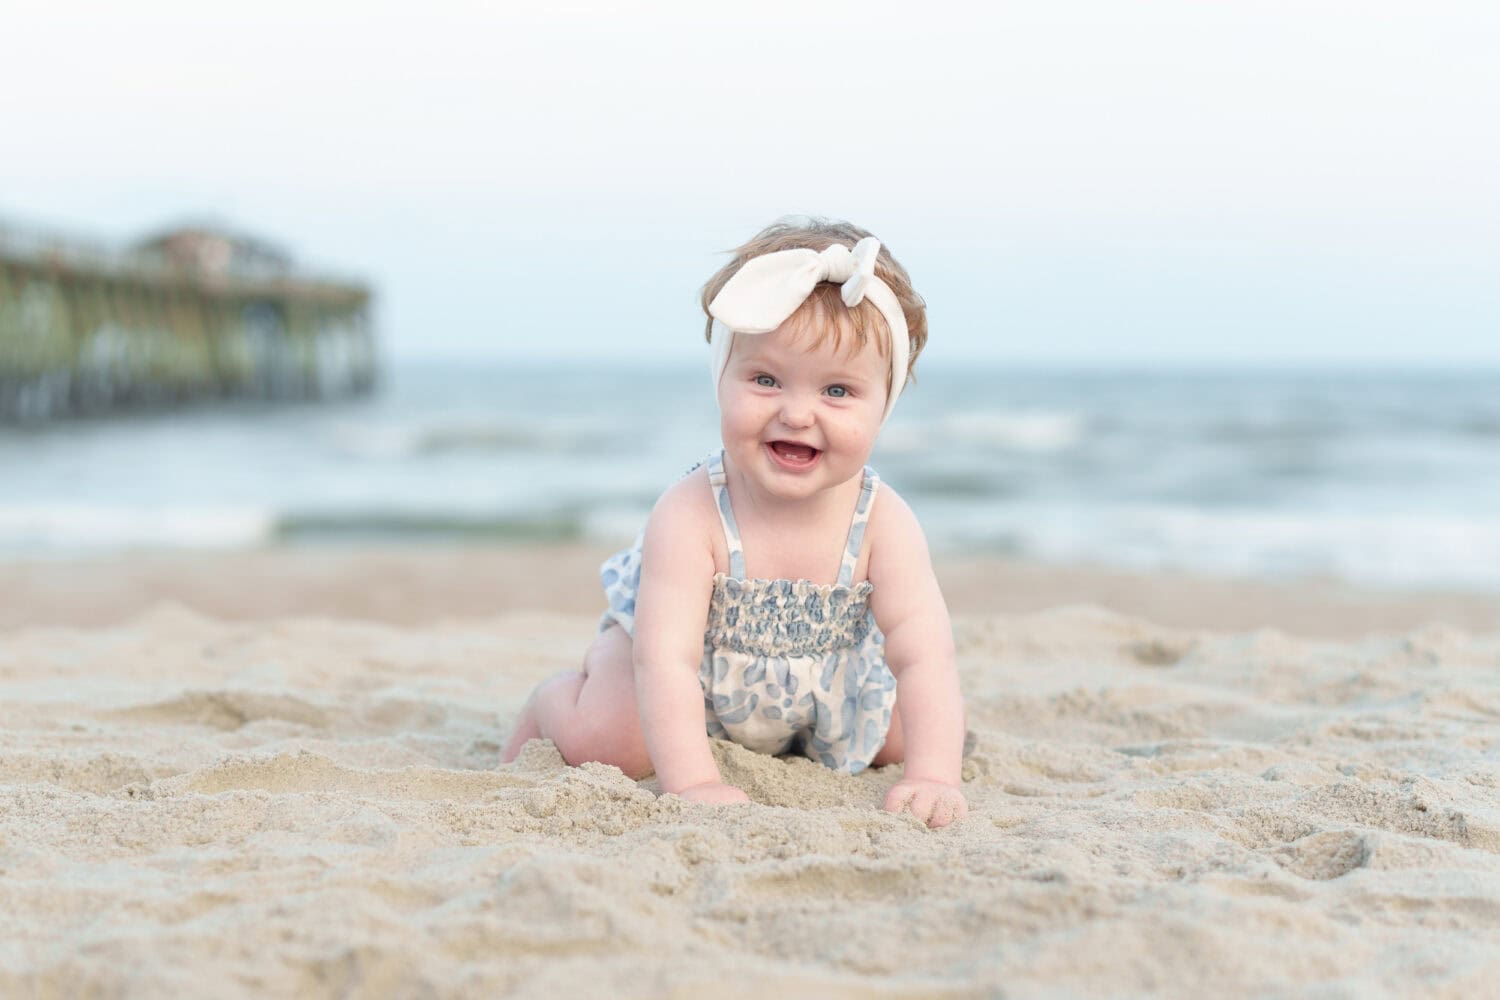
(1068, 182)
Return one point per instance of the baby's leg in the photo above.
(589, 714)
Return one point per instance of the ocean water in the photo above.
(1379, 478)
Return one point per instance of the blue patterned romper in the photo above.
(787, 664)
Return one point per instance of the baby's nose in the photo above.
(796, 413)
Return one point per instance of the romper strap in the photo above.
(720, 483)
(857, 527)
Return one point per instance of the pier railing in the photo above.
(87, 328)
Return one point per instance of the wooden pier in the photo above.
(189, 314)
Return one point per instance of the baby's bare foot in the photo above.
(526, 729)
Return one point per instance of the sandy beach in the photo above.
(274, 774)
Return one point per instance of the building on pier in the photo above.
(189, 313)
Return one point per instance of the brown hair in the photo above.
(824, 311)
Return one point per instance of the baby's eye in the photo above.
(838, 391)
(765, 380)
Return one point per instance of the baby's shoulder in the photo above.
(685, 511)
(688, 497)
(890, 511)
(895, 535)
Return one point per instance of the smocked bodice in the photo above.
(786, 617)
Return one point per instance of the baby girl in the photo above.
(780, 596)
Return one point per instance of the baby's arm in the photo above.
(909, 609)
(677, 569)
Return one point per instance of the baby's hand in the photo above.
(714, 793)
(935, 803)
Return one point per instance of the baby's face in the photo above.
(800, 420)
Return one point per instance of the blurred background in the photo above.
(1213, 288)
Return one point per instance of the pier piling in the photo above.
(190, 314)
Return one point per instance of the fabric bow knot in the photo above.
(766, 290)
(769, 288)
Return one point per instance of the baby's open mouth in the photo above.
(793, 453)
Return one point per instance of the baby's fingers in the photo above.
(933, 804)
(899, 797)
(950, 807)
(913, 798)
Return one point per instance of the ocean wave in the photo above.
(1020, 430)
(29, 530)
(1281, 431)
(1483, 427)
(973, 483)
(396, 441)
(434, 525)
(1384, 549)
(45, 528)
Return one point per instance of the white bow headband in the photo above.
(769, 288)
